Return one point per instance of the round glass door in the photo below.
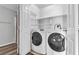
(36, 38)
(56, 42)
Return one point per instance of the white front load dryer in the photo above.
(56, 43)
(38, 40)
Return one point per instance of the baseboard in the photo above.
(34, 53)
(7, 44)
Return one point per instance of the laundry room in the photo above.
(39, 29)
(48, 29)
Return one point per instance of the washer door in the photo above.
(56, 42)
(36, 38)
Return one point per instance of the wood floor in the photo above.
(10, 49)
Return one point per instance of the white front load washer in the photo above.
(38, 40)
(56, 43)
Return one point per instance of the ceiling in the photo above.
(14, 6)
(42, 5)
(10, 6)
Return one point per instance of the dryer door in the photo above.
(56, 42)
(36, 38)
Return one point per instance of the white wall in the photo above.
(27, 13)
(58, 14)
(44, 24)
(53, 10)
(56, 20)
(24, 46)
(34, 14)
(6, 26)
(48, 23)
(13, 7)
(35, 10)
